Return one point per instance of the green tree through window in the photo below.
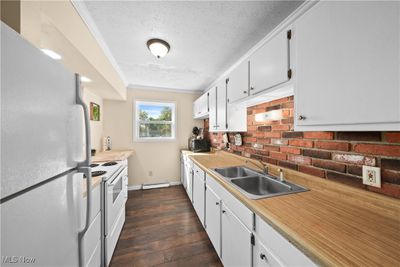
(155, 120)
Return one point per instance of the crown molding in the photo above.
(80, 7)
(162, 89)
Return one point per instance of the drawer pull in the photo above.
(263, 257)
(302, 118)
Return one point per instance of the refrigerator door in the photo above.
(40, 227)
(41, 126)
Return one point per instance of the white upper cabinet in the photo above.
(221, 106)
(270, 65)
(201, 107)
(347, 62)
(212, 105)
(238, 85)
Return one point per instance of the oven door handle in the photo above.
(116, 179)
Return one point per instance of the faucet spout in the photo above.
(263, 165)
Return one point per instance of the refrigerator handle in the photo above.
(84, 166)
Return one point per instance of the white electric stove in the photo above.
(114, 194)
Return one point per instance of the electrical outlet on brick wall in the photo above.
(372, 176)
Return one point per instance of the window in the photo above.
(154, 121)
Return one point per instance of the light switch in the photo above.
(372, 176)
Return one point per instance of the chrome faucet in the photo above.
(264, 166)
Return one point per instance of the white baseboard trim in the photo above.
(139, 186)
(134, 187)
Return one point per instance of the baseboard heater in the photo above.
(153, 186)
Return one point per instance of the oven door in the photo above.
(115, 199)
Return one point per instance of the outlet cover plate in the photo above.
(372, 176)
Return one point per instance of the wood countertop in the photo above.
(112, 155)
(333, 224)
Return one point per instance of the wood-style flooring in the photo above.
(162, 229)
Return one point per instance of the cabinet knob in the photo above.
(216, 203)
(302, 118)
(244, 92)
(223, 211)
(251, 88)
(263, 257)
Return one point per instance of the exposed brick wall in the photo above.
(337, 156)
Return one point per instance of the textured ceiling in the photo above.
(206, 38)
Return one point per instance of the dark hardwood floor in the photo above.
(162, 229)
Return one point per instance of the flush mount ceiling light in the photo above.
(158, 47)
(85, 79)
(51, 54)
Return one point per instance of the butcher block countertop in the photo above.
(112, 155)
(333, 224)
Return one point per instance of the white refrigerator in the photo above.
(45, 150)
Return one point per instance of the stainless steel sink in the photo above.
(257, 185)
(235, 172)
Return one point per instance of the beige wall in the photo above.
(96, 127)
(160, 158)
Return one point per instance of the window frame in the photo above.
(137, 122)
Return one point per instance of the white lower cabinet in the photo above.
(263, 257)
(278, 250)
(91, 241)
(239, 237)
(213, 219)
(199, 192)
(236, 240)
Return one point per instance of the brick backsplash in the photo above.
(337, 156)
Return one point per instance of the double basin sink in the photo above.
(256, 185)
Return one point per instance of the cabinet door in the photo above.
(183, 172)
(237, 118)
(212, 102)
(347, 65)
(189, 181)
(213, 219)
(221, 106)
(198, 196)
(270, 64)
(200, 106)
(236, 240)
(263, 257)
(238, 84)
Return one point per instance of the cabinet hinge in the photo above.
(227, 100)
(252, 240)
(226, 126)
(289, 74)
(254, 221)
(289, 34)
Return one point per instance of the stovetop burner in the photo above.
(93, 165)
(110, 163)
(98, 173)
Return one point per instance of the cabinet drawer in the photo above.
(95, 260)
(263, 257)
(279, 246)
(91, 239)
(198, 171)
(95, 208)
(238, 208)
